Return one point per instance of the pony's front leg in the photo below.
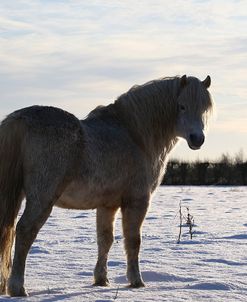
(27, 229)
(133, 216)
(105, 221)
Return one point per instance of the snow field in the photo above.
(210, 267)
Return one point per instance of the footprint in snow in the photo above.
(38, 250)
(237, 237)
(211, 286)
(187, 199)
(150, 276)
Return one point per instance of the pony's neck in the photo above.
(149, 113)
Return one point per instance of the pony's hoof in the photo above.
(101, 282)
(14, 292)
(137, 284)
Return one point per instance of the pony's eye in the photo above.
(182, 107)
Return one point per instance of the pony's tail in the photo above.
(11, 185)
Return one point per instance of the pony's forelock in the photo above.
(197, 98)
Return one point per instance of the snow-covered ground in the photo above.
(210, 267)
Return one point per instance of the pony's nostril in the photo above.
(196, 139)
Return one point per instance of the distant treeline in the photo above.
(225, 171)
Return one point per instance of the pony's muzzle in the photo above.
(196, 140)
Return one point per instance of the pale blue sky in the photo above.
(79, 54)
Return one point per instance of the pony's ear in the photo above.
(183, 81)
(207, 82)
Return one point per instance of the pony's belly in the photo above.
(81, 197)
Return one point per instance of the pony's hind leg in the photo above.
(105, 221)
(133, 216)
(27, 229)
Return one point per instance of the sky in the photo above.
(79, 54)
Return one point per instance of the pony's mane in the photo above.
(168, 88)
(148, 92)
(149, 110)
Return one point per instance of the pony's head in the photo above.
(194, 104)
